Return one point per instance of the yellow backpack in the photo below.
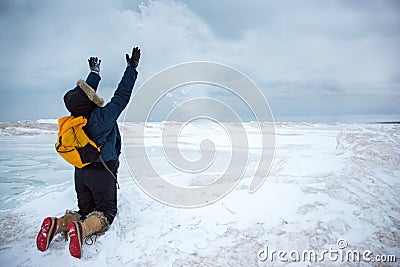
(73, 144)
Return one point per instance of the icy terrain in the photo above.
(327, 182)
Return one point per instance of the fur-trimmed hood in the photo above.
(82, 100)
(90, 93)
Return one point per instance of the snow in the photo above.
(328, 181)
(48, 121)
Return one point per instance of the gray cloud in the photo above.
(311, 58)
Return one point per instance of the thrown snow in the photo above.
(328, 181)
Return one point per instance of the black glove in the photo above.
(94, 64)
(133, 61)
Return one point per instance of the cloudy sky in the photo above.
(313, 60)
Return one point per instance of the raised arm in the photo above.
(94, 78)
(109, 114)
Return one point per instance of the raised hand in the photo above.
(94, 64)
(133, 61)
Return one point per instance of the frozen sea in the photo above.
(328, 182)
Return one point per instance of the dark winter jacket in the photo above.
(102, 121)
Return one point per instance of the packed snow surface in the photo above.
(327, 182)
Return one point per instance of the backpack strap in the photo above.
(108, 169)
(104, 163)
(105, 141)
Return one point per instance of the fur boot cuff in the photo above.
(76, 216)
(104, 222)
(91, 93)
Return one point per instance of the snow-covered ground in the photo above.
(327, 182)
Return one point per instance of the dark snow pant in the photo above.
(96, 189)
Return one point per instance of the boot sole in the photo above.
(75, 237)
(46, 233)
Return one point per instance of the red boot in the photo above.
(46, 233)
(75, 233)
(52, 226)
(94, 223)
